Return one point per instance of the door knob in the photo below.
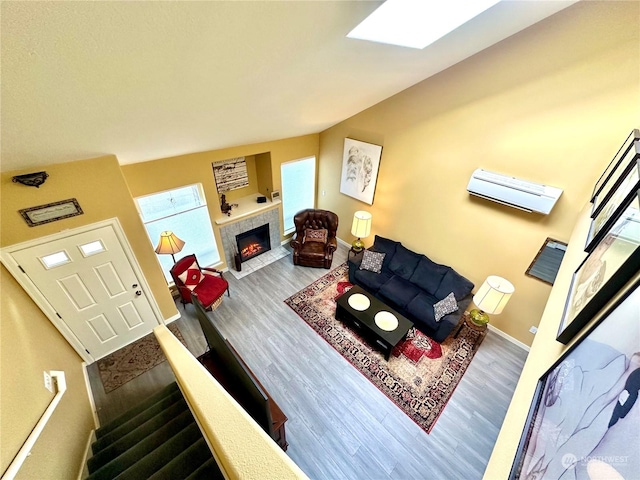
(135, 285)
(138, 293)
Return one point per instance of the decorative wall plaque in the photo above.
(51, 212)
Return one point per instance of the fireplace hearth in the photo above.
(254, 242)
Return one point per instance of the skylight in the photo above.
(417, 23)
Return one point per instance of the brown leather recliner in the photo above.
(311, 246)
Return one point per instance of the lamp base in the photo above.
(478, 317)
(357, 245)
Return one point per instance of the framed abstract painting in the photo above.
(360, 165)
(610, 265)
(584, 418)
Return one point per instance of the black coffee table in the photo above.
(363, 321)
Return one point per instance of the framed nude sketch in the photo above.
(584, 417)
(360, 165)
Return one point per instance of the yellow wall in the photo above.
(167, 173)
(101, 191)
(30, 345)
(551, 104)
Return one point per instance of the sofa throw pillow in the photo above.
(191, 276)
(447, 305)
(311, 235)
(372, 261)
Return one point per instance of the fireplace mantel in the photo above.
(247, 206)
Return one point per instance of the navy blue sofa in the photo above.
(411, 284)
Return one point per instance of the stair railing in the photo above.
(239, 445)
(27, 446)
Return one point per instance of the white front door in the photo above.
(89, 281)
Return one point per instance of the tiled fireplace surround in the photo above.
(229, 231)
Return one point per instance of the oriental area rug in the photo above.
(133, 360)
(420, 375)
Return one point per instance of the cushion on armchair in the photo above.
(191, 276)
(313, 235)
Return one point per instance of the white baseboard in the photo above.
(342, 242)
(172, 319)
(84, 472)
(510, 338)
(85, 374)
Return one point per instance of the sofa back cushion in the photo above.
(428, 275)
(404, 262)
(453, 282)
(386, 246)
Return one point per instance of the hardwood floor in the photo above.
(340, 425)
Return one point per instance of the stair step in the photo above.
(133, 423)
(207, 471)
(179, 411)
(162, 455)
(186, 463)
(147, 448)
(129, 414)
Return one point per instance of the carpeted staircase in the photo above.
(157, 439)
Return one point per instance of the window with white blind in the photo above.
(184, 212)
(298, 189)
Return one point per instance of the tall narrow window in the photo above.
(298, 189)
(184, 212)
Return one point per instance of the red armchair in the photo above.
(315, 239)
(207, 284)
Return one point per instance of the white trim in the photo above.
(84, 471)
(87, 383)
(172, 319)
(342, 242)
(516, 342)
(6, 258)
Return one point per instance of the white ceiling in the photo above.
(146, 80)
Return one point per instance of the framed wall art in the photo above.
(612, 262)
(230, 174)
(602, 221)
(51, 212)
(360, 165)
(628, 154)
(583, 421)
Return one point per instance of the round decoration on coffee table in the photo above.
(359, 302)
(386, 321)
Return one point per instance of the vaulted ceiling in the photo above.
(146, 80)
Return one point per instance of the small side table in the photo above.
(466, 322)
(355, 253)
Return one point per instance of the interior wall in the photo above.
(167, 173)
(101, 191)
(551, 104)
(30, 345)
(250, 189)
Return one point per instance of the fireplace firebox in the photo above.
(253, 242)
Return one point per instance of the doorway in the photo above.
(89, 284)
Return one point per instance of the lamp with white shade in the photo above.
(169, 243)
(360, 228)
(491, 298)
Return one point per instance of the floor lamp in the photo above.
(169, 243)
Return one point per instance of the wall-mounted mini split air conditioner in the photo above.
(514, 192)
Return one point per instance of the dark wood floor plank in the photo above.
(340, 425)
